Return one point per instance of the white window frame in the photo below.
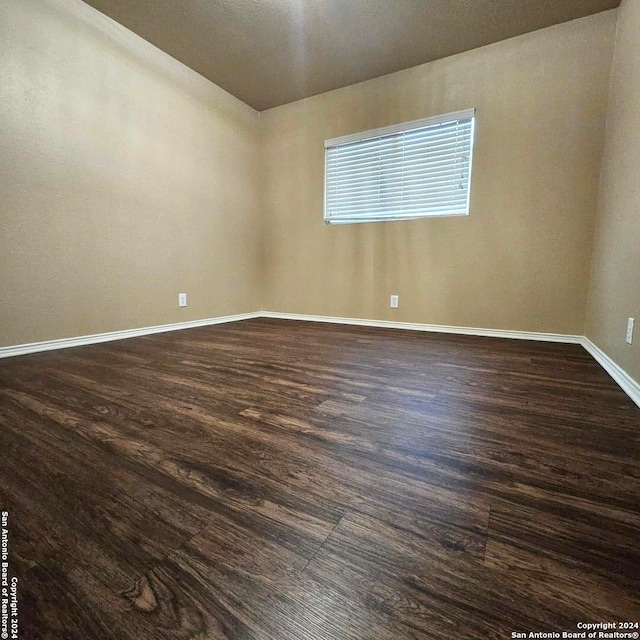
(467, 114)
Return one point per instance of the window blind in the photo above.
(412, 170)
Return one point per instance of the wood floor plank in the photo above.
(424, 582)
(608, 549)
(279, 480)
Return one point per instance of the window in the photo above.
(413, 170)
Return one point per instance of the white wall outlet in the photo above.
(393, 302)
(182, 299)
(630, 325)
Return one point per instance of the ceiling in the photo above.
(270, 52)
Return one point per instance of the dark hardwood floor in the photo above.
(294, 481)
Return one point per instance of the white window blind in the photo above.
(412, 170)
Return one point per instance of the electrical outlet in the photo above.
(394, 301)
(182, 299)
(630, 324)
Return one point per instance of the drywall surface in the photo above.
(125, 179)
(271, 52)
(615, 282)
(521, 260)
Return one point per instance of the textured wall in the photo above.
(521, 259)
(125, 178)
(615, 282)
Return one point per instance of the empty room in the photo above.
(318, 319)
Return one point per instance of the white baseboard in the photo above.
(624, 380)
(65, 343)
(79, 341)
(435, 328)
(621, 377)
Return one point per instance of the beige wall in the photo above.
(521, 259)
(615, 281)
(125, 178)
